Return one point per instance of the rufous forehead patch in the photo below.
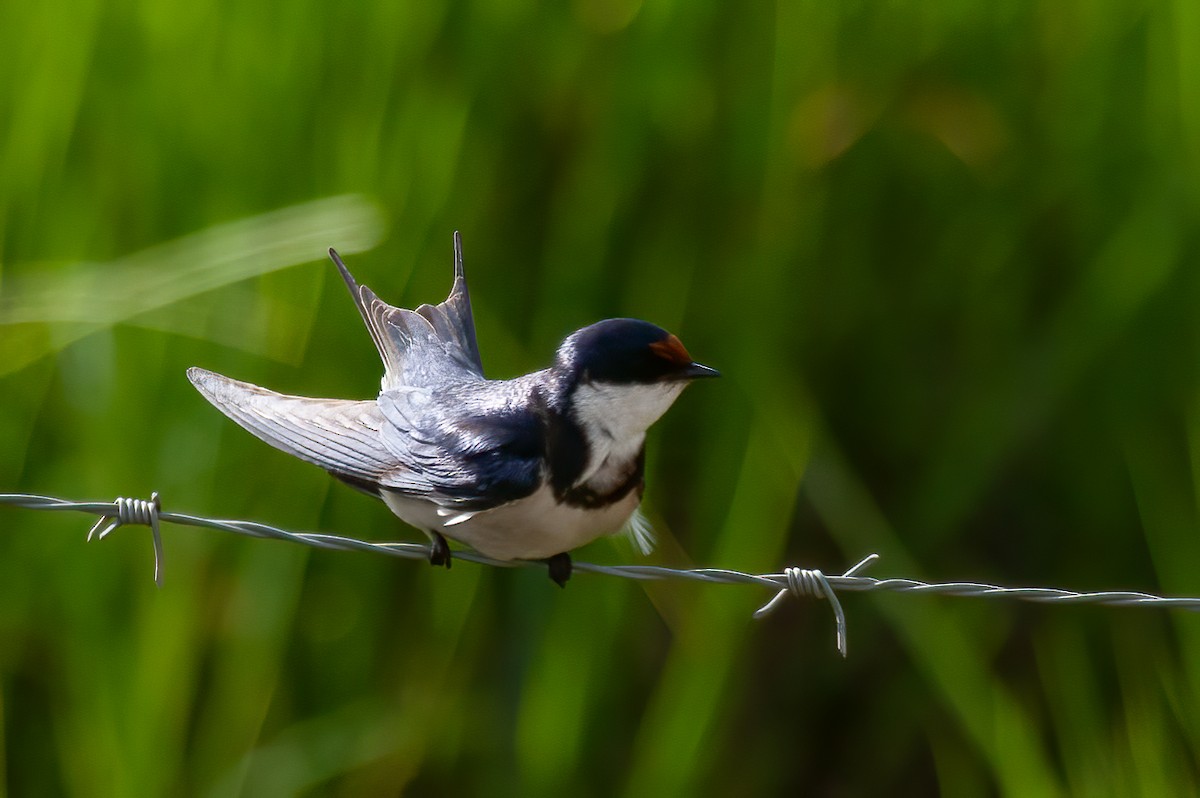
(671, 349)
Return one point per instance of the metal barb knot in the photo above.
(803, 582)
(134, 511)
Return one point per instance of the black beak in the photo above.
(695, 371)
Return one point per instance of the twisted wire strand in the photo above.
(793, 581)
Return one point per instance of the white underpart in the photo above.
(532, 528)
(615, 419)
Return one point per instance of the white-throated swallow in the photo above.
(528, 468)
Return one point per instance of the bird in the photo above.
(527, 468)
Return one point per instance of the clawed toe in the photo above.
(439, 552)
(560, 568)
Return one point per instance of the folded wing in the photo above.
(457, 459)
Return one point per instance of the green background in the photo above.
(945, 254)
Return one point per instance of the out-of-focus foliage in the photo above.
(945, 254)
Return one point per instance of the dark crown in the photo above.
(624, 351)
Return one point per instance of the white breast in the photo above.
(614, 418)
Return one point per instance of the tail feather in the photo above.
(452, 320)
(420, 347)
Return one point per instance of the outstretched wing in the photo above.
(466, 462)
(423, 347)
(339, 435)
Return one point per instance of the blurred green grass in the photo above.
(945, 255)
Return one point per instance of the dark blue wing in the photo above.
(473, 460)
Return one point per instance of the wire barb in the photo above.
(803, 582)
(793, 581)
(134, 511)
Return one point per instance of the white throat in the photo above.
(615, 417)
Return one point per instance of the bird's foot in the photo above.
(439, 552)
(560, 568)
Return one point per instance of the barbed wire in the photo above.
(793, 581)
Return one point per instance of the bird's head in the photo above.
(625, 373)
(628, 352)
